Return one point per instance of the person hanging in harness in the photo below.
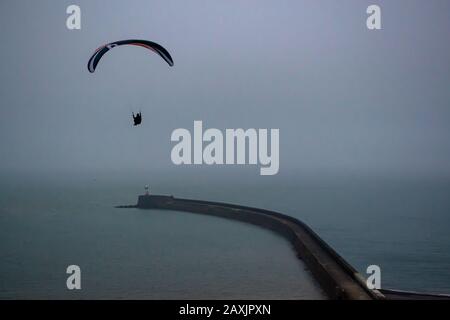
(137, 118)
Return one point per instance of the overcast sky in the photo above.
(344, 98)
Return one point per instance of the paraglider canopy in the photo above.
(99, 53)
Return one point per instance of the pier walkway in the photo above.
(338, 279)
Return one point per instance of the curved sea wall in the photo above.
(337, 278)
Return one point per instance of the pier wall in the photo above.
(337, 278)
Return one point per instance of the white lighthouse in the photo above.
(146, 190)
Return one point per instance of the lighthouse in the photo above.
(146, 190)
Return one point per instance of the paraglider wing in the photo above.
(98, 54)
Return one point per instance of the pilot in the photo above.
(137, 118)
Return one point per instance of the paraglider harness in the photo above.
(137, 118)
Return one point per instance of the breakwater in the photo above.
(338, 279)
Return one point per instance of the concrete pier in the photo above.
(337, 278)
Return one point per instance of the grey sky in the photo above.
(345, 98)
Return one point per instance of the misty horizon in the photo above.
(346, 99)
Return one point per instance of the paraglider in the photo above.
(100, 52)
(137, 118)
(152, 46)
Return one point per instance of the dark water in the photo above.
(402, 226)
(135, 254)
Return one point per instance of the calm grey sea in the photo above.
(50, 222)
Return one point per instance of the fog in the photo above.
(347, 100)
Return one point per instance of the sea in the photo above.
(51, 221)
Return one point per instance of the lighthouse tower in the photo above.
(146, 190)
